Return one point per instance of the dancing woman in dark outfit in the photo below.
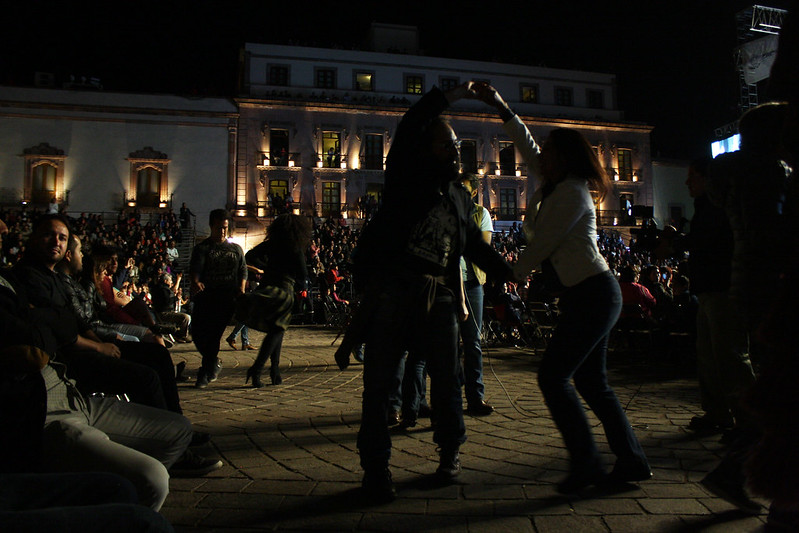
(282, 258)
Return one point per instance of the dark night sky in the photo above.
(674, 60)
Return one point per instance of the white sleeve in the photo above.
(564, 209)
(524, 142)
(485, 221)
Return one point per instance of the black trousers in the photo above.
(94, 372)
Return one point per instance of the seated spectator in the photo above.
(333, 293)
(332, 275)
(511, 303)
(142, 371)
(85, 302)
(657, 287)
(119, 306)
(172, 252)
(637, 301)
(164, 295)
(681, 316)
(74, 437)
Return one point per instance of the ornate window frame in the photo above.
(147, 157)
(43, 154)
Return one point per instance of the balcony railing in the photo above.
(517, 170)
(331, 161)
(614, 217)
(506, 213)
(280, 159)
(371, 162)
(625, 174)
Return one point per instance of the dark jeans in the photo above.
(396, 399)
(74, 503)
(414, 385)
(94, 372)
(158, 358)
(213, 311)
(397, 326)
(472, 352)
(245, 334)
(578, 350)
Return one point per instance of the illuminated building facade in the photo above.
(316, 125)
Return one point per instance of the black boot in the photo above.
(274, 373)
(378, 487)
(255, 375)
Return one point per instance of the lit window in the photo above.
(624, 158)
(279, 148)
(331, 149)
(44, 174)
(331, 198)
(414, 84)
(364, 81)
(530, 94)
(149, 184)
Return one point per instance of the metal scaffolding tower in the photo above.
(753, 23)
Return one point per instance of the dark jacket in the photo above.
(752, 190)
(48, 300)
(163, 298)
(83, 304)
(414, 186)
(710, 248)
(22, 325)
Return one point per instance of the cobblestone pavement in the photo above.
(291, 461)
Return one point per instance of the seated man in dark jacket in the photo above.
(80, 434)
(111, 368)
(96, 364)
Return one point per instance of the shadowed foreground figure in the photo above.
(409, 255)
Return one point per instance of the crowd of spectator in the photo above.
(147, 250)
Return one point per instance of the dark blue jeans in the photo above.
(399, 324)
(245, 334)
(578, 351)
(472, 352)
(212, 313)
(414, 386)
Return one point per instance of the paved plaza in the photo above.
(291, 462)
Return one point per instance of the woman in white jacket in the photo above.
(560, 225)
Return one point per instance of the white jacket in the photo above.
(563, 227)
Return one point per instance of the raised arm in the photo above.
(514, 127)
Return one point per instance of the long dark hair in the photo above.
(576, 157)
(291, 231)
(98, 261)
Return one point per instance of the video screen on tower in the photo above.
(730, 144)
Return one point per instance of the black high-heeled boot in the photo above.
(274, 373)
(255, 375)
